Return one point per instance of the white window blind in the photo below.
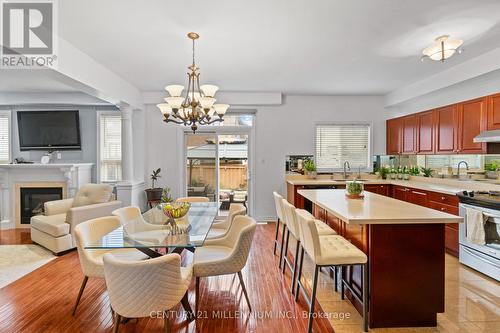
(4, 139)
(110, 148)
(338, 143)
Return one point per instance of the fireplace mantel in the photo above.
(73, 175)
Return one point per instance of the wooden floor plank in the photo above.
(42, 300)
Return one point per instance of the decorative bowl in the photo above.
(176, 210)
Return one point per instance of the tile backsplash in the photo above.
(475, 162)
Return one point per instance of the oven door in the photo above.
(491, 228)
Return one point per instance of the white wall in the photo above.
(479, 86)
(280, 130)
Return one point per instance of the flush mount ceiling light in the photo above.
(198, 106)
(442, 48)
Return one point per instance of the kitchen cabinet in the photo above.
(393, 136)
(493, 112)
(408, 134)
(471, 122)
(417, 197)
(379, 189)
(425, 133)
(445, 128)
(400, 193)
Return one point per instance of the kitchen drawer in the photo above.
(443, 207)
(443, 198)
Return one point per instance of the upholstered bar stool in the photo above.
(278, 202)
(331, 250)
(290, 218)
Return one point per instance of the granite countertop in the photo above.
(375, 209)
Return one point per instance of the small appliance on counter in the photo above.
(484, 254)
(295, 163)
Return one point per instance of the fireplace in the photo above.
(32, 200)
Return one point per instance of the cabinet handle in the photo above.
(443, 209)
(443, 198)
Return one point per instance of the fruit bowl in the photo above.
(176, 210)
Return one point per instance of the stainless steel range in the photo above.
(483, 258)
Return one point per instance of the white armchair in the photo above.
(137, 228)
(55, 229)
(220, 228)
(225, 255)
(144, 288)
(91, 261)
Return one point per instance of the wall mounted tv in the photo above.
(49, 130)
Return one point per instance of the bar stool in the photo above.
(290, 217)
(331, 250)
(278, 199)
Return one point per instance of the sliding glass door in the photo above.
(217, 167)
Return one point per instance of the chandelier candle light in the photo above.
(442, 48)
(198, 106)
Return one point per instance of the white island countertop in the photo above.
(375, 209)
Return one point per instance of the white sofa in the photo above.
(55, 229)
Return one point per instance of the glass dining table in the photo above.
(155, 234)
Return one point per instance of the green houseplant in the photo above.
(310, 168)
(491, 170)
(354, 189)
(154, 193)
(427, 171)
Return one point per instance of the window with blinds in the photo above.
(110, 148)
(4, 138)
(337, 143)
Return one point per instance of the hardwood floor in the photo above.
(15, 236)
(42, 300)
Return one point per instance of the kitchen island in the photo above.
(404, 243)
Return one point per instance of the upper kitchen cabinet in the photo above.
(408, 135)
(425, 132)
(471, 122)
(494, 112)
(393, 136)
(446, 130)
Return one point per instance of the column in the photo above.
(127, 145)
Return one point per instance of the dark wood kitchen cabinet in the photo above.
(408, 134)
(400, 192)
(417, 197)
(382, 189)
(471, 122)
(445, 128)
(493, 112)
(425, 132)
(393, 136)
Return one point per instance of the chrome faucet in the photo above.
(458, 167)
(359, 171)
(346, 164)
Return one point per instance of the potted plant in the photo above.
(427, 171)
(383, 172)
(354, 189)
(154, 193)
(310, 169)
(166, 196)
(491, 170)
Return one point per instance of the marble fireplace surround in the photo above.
(69, 176)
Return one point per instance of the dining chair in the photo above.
(89, 232)
(137, 228)
(278, 202)
(327, 251)
(139, 289)
(225, 255)
(192, 199)
(219, 229)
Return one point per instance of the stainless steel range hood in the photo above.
(488, 136)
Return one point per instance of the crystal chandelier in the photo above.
(198, 106)
(442, 48)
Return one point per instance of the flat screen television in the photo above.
(49, 130)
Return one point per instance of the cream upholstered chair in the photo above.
(278, 202)
(290, 217)
(225, 255)
(192, 199)
(328, 250)
(55, 229)
(89, 232)
(141, 288)
(137, 228)
(219, 229)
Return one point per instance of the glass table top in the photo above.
(151, 231)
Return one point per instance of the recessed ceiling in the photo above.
(30, 81)
(293, 46)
